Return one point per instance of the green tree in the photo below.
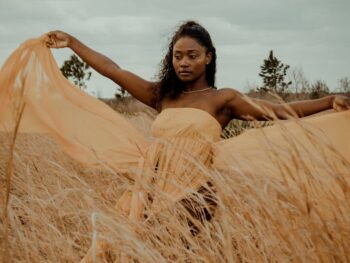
(76, 70)
(274, 73)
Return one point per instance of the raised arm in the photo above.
(138, 87)
(243, 107)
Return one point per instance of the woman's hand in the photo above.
(58, 39)
(341, 103)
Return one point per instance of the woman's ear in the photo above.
(208, 58)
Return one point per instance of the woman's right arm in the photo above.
(138, 87)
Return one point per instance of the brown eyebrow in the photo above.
(187, 51)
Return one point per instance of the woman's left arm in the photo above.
(308, 107)
(243, 107)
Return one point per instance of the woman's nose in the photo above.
(184, 62)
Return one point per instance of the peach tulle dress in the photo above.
(185, 141)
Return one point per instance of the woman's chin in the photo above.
(185, 78)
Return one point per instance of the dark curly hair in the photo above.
(170, 86)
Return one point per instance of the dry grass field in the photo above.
(54, 210)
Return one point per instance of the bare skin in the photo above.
(189, 61)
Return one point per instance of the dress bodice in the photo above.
(182, 146)
(186, 122)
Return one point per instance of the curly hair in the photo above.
(170, 85)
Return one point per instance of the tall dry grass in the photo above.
(57, 210)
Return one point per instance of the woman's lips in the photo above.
(185, 73)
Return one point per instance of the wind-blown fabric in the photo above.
(185, 141)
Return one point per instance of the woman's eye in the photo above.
(193, 56)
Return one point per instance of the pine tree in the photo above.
(274, 73)
(76, 70)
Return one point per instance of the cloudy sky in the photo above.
(312, 35)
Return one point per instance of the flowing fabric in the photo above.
(185, 141)
(85, 127)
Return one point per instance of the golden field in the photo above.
(53, 209)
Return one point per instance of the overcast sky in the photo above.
(311, 34)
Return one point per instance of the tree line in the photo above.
(277, 78)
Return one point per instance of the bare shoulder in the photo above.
(228, 92)
(226, 95)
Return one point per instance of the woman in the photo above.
(187, 80)
(176, 165)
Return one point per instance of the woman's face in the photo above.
(190, 59)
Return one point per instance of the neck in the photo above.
(196, 85)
